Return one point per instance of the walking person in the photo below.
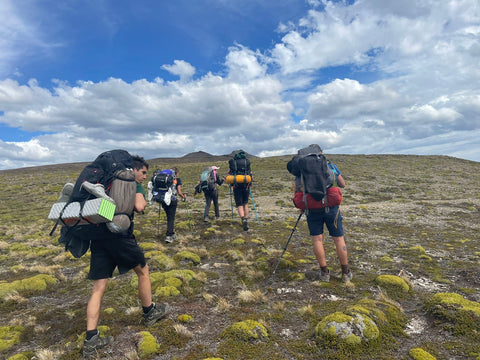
(208, 184)
(171, 208)
(241, 175)
(119, 250)
(330, 216)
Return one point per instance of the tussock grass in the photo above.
(182, 330)
(248, 296)
(403, 215)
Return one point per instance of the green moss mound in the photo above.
(187, 255)
(420, 354)
(393, 282)
(9, 336)
(35, 284)
(18, 357)
(148, 344)
(246, 330)
(185, 318)
(454, 308)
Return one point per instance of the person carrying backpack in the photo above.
(110, 250)
(208, 184)
(166, 190)
(241, 173)
(317, 181)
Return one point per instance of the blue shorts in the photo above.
(333, 219)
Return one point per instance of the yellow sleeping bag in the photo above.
(232, 179)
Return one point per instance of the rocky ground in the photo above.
(415, 217)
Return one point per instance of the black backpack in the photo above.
(311, 166)
(239, 164)
(101, 171)
(162, 181)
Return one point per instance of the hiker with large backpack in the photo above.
(166, 188)
(208, 184)
(317, 194)
(240, 178)
(112, 247)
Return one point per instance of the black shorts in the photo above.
(241, 195)
(109, 250)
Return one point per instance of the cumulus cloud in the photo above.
(410, 86)
(243, 64)
(181, 68)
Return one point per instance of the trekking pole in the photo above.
(254, 208)
(158, 221)
(286, 245)
(231, 203)
(188, 216)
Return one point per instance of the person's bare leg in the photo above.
(93, 307)
(319, 250)
(245, 211)
(341, 249)
(144, 285)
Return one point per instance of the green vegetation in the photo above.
(413, 249)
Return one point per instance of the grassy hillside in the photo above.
(412, 231)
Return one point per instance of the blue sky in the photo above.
(164, 78)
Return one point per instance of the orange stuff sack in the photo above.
(232, 179)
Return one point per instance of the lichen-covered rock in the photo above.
(147, 345)
(420, 354)
(9, 336)
(246, 330)
(362, 322)
(353, 328)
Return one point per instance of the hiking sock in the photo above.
(91, 333)
(148, 308)
(345, 269)
(324, 269)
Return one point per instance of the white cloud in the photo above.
(181, 68)
(243, 64)
(411, 87)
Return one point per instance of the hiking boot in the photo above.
(66, 193)
(96, 190)
(245, 224)
(318, 275)
(206, 219)
(91, 346)
(155, 314)
(168, 239)
(347, 277)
